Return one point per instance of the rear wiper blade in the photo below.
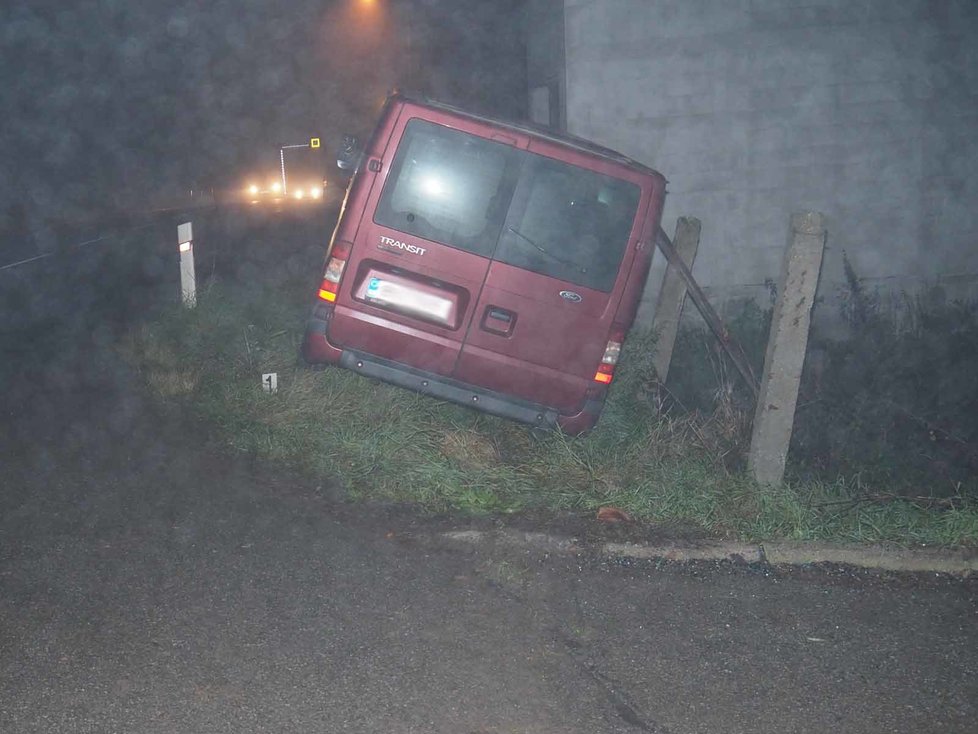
(548, 254)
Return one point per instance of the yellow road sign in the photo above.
(314, 143)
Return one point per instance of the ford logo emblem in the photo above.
(571, 296)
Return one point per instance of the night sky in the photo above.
(118, 104)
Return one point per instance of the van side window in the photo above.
(569, 223)
(449, 187)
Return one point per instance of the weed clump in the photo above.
(890, 407)
(896, 401)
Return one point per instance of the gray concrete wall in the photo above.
(545, 64)
(865, 110)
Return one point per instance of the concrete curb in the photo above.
(884, 558)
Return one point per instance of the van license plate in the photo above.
(409, 300)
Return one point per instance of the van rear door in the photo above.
(418, 265)
(543, 318)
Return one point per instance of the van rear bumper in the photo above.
(448, 389)
(317, 350)
(488, 401)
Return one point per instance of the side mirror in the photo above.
(349, 153)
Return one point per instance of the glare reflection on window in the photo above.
(432, 185)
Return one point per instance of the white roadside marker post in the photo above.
(188, 277)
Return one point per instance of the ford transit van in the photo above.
(487, 263)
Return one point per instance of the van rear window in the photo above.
(523, 209)
(448, 186)
(569, 223)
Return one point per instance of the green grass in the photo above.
(384, 443)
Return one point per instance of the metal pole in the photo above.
(281, 158)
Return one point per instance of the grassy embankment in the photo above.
(385, 443)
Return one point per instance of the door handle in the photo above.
(498, 320)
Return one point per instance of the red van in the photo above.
(487, 263)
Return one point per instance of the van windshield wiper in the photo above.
(553, 257)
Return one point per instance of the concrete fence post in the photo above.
(774, 415)
(672, 296)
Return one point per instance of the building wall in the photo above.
(545, 64)
(866, 111)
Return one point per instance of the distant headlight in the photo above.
(299, 193)
(276, 187)
(253, 190)
(315, 192)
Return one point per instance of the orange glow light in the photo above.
(326, 295)
(602, 377)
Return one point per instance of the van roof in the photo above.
(528, 128)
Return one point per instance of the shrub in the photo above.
(893, 402)
(896, 401)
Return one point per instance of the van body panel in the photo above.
(543, 336)
(451, 282)
(355, 329)
(503, 373)
(490, 259)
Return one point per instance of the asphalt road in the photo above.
(152, 582)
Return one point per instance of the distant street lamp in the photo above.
(313, 143)
(368, 6)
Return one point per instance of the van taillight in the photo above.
(334, 271)
(606, 369)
